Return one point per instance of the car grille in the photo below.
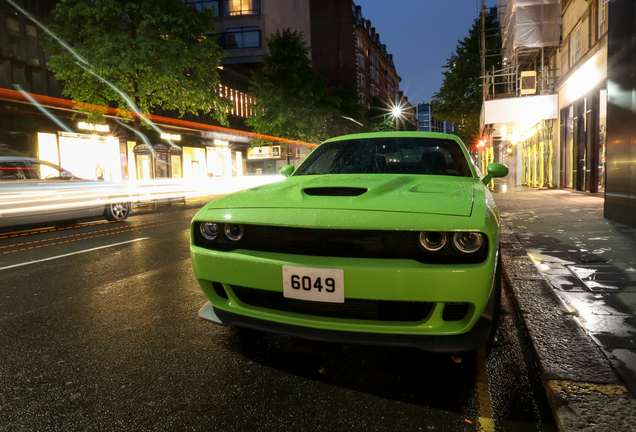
(359, 309)
(339, 243)
(455, 311)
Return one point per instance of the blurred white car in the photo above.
(33, 191)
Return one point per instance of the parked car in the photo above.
(34, 191)
(382, 238)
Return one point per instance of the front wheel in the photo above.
(117, 211)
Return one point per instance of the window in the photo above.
(13, 29)
(374, 75)
(243, 37)
(602, 17)
(205, 4)
(360, 60)
(32, 45)
(241, 7)
(361, 81)
(575, 45)
(361, 98)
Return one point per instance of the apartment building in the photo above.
(347, 49)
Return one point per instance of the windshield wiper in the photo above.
(311, 173)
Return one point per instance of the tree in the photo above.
(291, 97)
(460, 98)
(157, 53)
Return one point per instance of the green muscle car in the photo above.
(382, 238)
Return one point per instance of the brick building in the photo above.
(344, 56)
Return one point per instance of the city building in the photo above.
(244, 26)
(37, 121)
(347, 57)
(619, 121)
(426, 122)
(585, 133)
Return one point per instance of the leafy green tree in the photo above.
(460, 98)
(157, 53)
(291, 97)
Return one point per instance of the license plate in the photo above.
(313, 284)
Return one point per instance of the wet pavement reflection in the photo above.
(590, 262)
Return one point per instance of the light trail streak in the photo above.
(95, 195)
(44, 110)
(86, 65)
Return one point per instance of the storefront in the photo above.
(158, 161)
(95, 155)
(582, 127)
(174, 149)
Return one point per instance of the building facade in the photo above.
(37, 121)
(351, 57)
(620, 145)
(426, 122)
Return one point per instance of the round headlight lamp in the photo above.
(209, 230)
(432, 241)
(468, 242)
(234, 232)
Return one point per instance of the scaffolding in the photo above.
(530, 31)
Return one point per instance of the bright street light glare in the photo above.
(396, 111)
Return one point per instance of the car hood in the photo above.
(442, 195)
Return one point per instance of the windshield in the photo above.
(388, 155)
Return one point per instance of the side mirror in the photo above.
(287, 170)
(65, 175)
(495, 170)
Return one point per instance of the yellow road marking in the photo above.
(485, 422)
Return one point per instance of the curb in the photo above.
(583, 390)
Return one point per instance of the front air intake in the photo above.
(335, 191)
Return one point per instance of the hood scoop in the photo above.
(335, 191)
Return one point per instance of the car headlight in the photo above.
(468, 242)
(209, 230)
(234, 232)
(432, 241)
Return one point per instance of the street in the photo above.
(99, 331)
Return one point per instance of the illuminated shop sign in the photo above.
(174, 137)
(92, 127)
(221, 143)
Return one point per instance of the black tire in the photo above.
(117, 211)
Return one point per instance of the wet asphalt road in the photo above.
(109, 340)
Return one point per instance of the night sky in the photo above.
(421, 35)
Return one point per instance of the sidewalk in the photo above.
(572, 274)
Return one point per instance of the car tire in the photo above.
(117, 211)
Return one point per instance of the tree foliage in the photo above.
(291, 97)
(159, 53)
(460, 98)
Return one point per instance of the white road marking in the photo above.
(73, 253)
